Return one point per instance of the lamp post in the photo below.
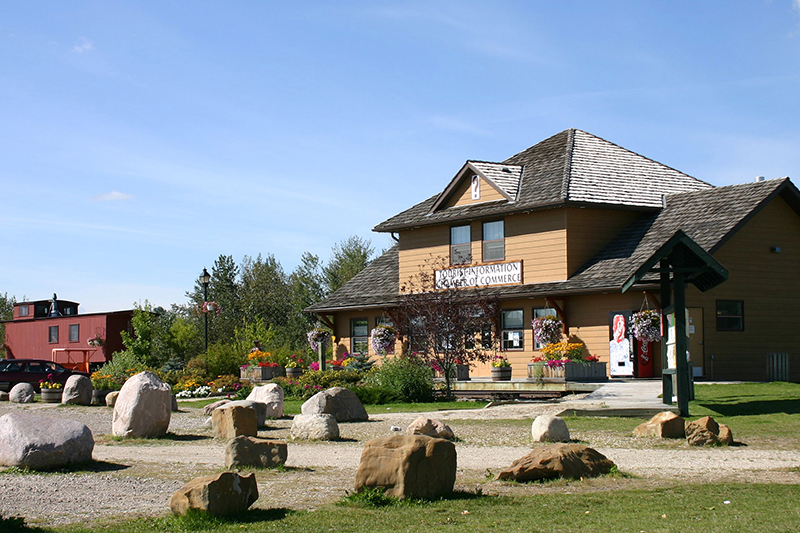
(205, 277)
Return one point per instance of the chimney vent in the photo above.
(760, 178)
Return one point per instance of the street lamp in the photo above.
(205, 277)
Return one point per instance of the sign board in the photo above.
(479, 276)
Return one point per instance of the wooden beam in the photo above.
(325, 319)
(549, 301)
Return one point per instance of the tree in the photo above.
(264, 291)
(223, 288)
(6, 313)
(348, 258)
(305, 289)
(446, 326)
(143, 343)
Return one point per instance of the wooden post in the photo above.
(321, 354)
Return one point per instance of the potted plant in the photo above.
(102, 384)
(51, 390)
(294, 368)
(261, 367)
(317, 336)
(646, 325)
(564, 361)
(462, 370)
(547, 329)
(501, 368)
(383, 338)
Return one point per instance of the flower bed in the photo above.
(568, 371)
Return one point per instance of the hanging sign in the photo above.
(479, 276)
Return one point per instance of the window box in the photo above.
(592, 371)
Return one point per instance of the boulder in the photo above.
(272, 396)
(253, 452)
(705, 431)
(210, 407)
(567, 460)
(549, 428)
(411, 466)
(431, 428)
(315, 427)
(21, 393)
(665, 424)
(228, 422)
(142, 408)
(342, 403)
(77, 390)
(37, 442)
(111, 398)
(173, 404)
(259, 408)
(220, 494)
(3, 396)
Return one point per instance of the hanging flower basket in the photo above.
(317, 336)
(646, 325)
(382, 339)
(547, 329)
(211, 307)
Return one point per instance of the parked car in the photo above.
(13, 371)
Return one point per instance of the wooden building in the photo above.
(562, 226)
(55, 331)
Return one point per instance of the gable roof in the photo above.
(709, 217)
(570, 167)
(503, 178)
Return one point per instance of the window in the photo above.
(541, 313)
(24, 310)
(460, 245)
(494, 243)
(74, 332)
(482, 337)
(53, 333)
(359, 336)
(730, 315)
(513, 336)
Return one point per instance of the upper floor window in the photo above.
(74, 332)
(460, 245)
(53, 333)
(24, 310)
(494, 242)
(730, 315)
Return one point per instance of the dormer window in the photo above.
(460, 245)
(494, 241)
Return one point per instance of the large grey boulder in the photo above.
(37, 442)
(244, 451)
(220, 494)
(549, 428)
(143, 407)
(342, 403)
(77, 390)
(270, 395)
(415, 466)
(111, 398)
(21, 393)
(315, 427)
(431, 428)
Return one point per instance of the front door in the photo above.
(696, 354)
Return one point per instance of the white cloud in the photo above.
(85, 46)
(112, 197)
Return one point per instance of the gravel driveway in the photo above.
(138, 478)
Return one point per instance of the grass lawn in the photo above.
(708, 508)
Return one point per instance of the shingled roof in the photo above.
(571, 167)
(709, 217)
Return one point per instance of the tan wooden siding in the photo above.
(768, 284)
(418, 246)
(463, 194)
(539, 241)
(588, 230)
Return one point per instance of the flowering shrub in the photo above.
(382, 339)
(547, 329)
(499, 361)
(49, 383)
(646, 325)
(316, 336)
(268, 364)
(203, 390)
(105, 381)
(227, 383)
(314, 366)
(563, 352)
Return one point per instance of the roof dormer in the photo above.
(480, 182)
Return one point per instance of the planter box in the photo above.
(260, 373)
(462, 373)
(502, 373)
(568, 372)
(52, 395)
(294, 373)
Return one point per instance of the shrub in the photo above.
(376, 395)
(119, 369)
(222, 358)
(227, 383)
(412, 380)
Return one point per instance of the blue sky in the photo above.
(141, 140)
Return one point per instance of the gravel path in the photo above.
(138, 478)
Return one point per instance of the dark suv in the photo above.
(13, 371)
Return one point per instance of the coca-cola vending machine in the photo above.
(627, 357)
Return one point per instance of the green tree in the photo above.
(6, 313)
(142, 343)
(224, 288)
(348, 258)
(264, 291)
(305, 288)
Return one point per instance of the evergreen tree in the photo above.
(348, 258)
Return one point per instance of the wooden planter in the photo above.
(568, 372)
(502, 373)
(260, 373)
(294, 373)
(462, 373)
(99, 396)
(52, 395)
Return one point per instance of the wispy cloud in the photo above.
(112, 196)
(85, 46)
